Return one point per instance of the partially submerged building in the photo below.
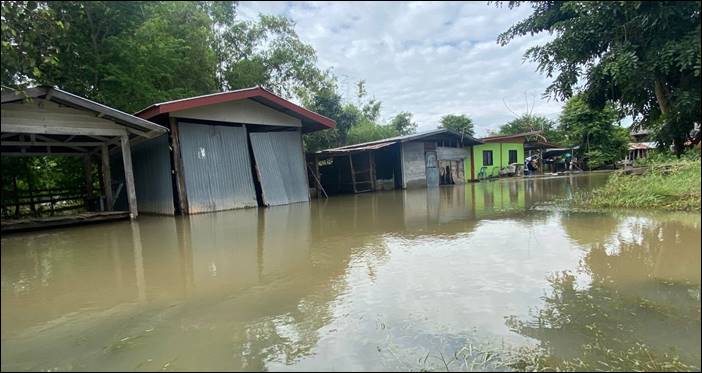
(500, 155)
(47, 121)
(224, 151)
(419, 160)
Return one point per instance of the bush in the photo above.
(665, 185)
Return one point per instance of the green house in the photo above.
(497, 152)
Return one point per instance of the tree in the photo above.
(458, 123)
(131, 54)
(642, 55)
(403, 124)
(601, 141)
(529, 122)
(369, 131)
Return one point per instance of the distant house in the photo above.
(224, 151)
(424, 159)
(503, 152)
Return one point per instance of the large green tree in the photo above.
(403, 123)
(532, 122)
(458, 123)
(131, 54)
(642, 55)
(602, 141)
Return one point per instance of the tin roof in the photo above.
(69, 99)
(310, 119)
(370, 145)
(642, 145)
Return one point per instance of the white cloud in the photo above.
(430, 59)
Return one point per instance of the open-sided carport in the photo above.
(47, 121)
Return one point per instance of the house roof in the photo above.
(310, 120)
(69, 99)
(509, 137)
(642, 145)
(529, 145)
(372, 145)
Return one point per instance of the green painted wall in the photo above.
(500, 157)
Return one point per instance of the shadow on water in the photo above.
(370, 281)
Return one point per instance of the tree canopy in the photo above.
(641, 55)
(131, 54)
(532, 122)
(458, 123)
(602, 141)
(403, 124)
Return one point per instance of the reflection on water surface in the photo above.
(372, 281)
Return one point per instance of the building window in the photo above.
(487, 157)
(512, 156)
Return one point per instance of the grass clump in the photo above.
(669, 185)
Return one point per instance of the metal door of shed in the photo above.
(432, 172)
(281, 167)
(217, 167)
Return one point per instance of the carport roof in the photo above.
(310, 119)
(62, 97)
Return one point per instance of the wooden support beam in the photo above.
(107, 177)
(178, 173)
(371, 165)
(316, 174)
(129, 176)
(353, 174)
(88, 179)
(59, 130)
(75, 145)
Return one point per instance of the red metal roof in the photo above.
(313, 120)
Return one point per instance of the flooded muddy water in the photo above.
(382, 281)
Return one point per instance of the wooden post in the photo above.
(316, 174)
(129, 176)
(30, 185)
(353, 174)
(106, 177)
(178, 167)
(88, 174)
(371, 169)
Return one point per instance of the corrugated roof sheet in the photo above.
(642, 145)
(310, 119)
(147, 128)
(370, 145)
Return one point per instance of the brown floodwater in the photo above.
(382, 281)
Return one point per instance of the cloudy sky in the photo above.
(430, 59)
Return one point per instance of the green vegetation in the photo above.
(667, 185)
(355, 123)
(131, 54)
(643, 56)
(458, 123)
(602, 142)
(533, 122)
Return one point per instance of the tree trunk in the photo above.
(662, 96)
(663, 100)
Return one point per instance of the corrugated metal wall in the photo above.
(151, 162)
(217, 168)
(281, 167)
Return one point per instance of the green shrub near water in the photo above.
(666, 184)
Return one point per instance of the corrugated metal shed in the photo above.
(152, 166)
(280, 166)
(217, 167)
(467, 140)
